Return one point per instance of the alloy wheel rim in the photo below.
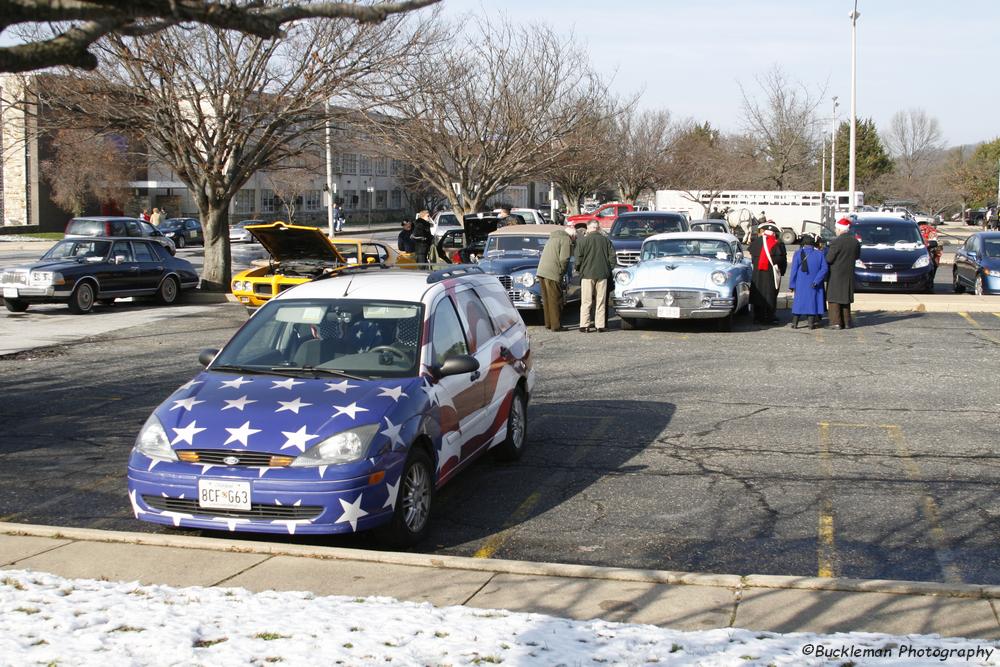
(416, 498)
(169, 290)
(517, 422)
(979, 286)
(85, 298)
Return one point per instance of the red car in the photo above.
(606, 214)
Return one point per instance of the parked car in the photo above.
(238, 231)
(465, 245)
(425, 371)
(894, 256)
(298, 255)
(631, 229)
(924, 218)
(117, 226)
(606, 214)
(714, 225)
(183, 231)
(443, 221)
(531, 216)
(977, 264)
(82, 271)
(559, 219)
(685, 275)
(512, 254)
(370, 251)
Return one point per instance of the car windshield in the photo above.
(526, 245)
(348, 337)
(707, 248)
(448, 219)
(889, 235)
(991, 247)
(171, 225)
(640, 227)
(78, 249)
(86, 227)
(718, 227)
(243, 223)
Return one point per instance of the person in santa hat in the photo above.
(769, 264)
(841, 255)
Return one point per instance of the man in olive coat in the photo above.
(551, 269)
(841, 255)
(595, 259)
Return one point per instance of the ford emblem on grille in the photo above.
(668, 299)
(231, 460)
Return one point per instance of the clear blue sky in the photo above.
(691, 55)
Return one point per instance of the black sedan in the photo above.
(183, 231)
(83, 271)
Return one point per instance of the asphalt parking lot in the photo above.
(864, 453)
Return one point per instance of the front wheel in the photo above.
(167, 294)
(979, 286)
(788, 237)
(81, 301)
(411, 518)
(180, 242)
(15, 305)
(956, 284)
(517, 429)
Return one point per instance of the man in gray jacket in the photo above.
(551, 269)
(595, 259)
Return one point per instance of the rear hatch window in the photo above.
(86, 227)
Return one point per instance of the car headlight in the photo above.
(46, 278)
(527, 279)
(992, 272)
(152, 441)
(169, 234)
(344, 447)
(858, 264)
(623, 277)
(922, 262)
(719, 277)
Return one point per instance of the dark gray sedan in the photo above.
(82, 271)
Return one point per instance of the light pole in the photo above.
(833, 148)
(854, 103)
(329, 174)
(371, 195)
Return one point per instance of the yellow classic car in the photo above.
(300, 254)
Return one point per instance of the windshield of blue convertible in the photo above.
(707, 248)
(367, 339)
(499, 245)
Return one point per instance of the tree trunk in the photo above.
(572, 197)
(216, 273)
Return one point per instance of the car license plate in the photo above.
(668, 312)
(245, 299)
(888, 277)
(10, 292)
(218, 494)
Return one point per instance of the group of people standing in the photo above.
(820, 280)
(594, 258)
(155, 218)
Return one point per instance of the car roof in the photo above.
(714, 236)
(525, 230)
(408, 285)
(650, 214)
(88, 239)
(988, 235)
(882, 220)
(103, 218)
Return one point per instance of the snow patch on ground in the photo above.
(48, 619)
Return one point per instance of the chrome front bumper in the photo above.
(673, 304)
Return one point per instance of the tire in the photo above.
(411, 518)
(788, 237)
(955, 283)
(15, 305)
(517, 430)
(628, 324)
(81, 301)
(167, 294)
(180, 242)
(978, 289)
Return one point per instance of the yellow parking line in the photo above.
(979, 328)
(825, 550)
(497, 539)
(968, 318)
(996, 314)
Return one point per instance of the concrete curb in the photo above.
(526, 568)
(915, 303)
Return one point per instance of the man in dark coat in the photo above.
(595, 260)
(552, 266)
(769, 264)
(421, 236)
(841, 255)
(404, 242)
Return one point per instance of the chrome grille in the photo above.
(681, 298)
(217, 456)
(888, 266)
(627, 257)
(257, 510)
(506, 281)
(14, 277)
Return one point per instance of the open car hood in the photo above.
(288, 243)
(477, 229)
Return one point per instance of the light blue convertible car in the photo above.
(685, 275)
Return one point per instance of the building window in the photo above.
(366, 199)
(366, 165)
(382, 166)
(244, 201)
(336, 163)
(397, 167)
(381, 198)
(312, 200)
(350, 198)
(396, 199)
(269, 201)
(350, 163)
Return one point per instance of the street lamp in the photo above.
(833, 149)
(330, 187)
(854, 102)
(370, 190)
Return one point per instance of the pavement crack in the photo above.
(480, 589)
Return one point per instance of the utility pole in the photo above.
(833, 147)
(854, 104)
(329, 175)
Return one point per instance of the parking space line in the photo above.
(968, 318)
(826, 550)
(523, 511)
(979, 328)
(931, 512)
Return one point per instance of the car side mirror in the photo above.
(458, 364)
(119, 259)
(206, 356)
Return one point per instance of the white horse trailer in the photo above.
(788, 209)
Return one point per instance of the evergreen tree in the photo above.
(872, 160)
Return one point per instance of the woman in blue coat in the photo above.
(809, 270)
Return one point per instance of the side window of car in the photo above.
(477, 320)
(143, 252)
(133, 228)
(118, 228)
(122, 249)
(447, 337)
(499, 306)
(970, 244)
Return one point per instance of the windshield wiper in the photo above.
(242, 369)
(314, 371)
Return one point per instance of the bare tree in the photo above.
(84, 22)
(86, 167)
(703, 163)
(642, 143)
(913, 140)
(291, 180)
(218, 106)
(785, 131)
(586, 152)
(419, 192)
(489, 113)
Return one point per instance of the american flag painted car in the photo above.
(340, 406)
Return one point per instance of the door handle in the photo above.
(505, 354)
(133, 268)
(474, 376)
